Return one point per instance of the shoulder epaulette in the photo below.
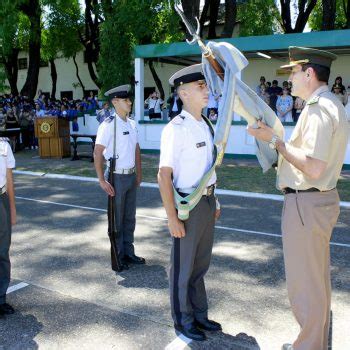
(313, 100)
(178, 120)
(109, 119)
(4, 139)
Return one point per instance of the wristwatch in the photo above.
(272, 143)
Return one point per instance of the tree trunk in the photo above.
(328, 14)
(304, 14)
(204, 16)
(156, 79)
(33, 10)
(213, 18)
(90, 40)
(11, 70)
(347, 14)
(191, 11)
(230, 18)
(54, 78)
(305, 8)
(77, 74)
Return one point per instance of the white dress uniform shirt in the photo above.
(126, 141)
(7, 161)
(187, 148)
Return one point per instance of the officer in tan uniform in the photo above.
(309, 167)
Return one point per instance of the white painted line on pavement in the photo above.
(16, 287)
(32, 173)
(178, 343)
(165, 219)
(274, 197)
(71, 177)
(61, 204)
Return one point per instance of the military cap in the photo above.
(122, 91)
(304, 55)
(187, 75)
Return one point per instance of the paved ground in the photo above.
(73, 300)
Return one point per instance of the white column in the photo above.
(236, 117)
(139, 88)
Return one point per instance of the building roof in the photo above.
(337, 41)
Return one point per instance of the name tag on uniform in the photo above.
(126, 133)
(200, 144)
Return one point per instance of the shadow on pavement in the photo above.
(139, 277)
(226, 341)
(23, 330)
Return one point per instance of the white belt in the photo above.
(208, 191)
(3, 190)
(124, 171)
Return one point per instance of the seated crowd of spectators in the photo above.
(19, 112)
(288, 108)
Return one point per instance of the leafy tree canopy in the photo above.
(316, 17)
(133, 22)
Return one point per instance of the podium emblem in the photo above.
(45, 127)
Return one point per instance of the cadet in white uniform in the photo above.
(7, 219)
(127, 174)
(186, 154)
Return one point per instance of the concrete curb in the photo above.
(274, 197)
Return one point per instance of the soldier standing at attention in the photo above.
(186, 154)
(7, 220)
(309, 167)
(127, 174)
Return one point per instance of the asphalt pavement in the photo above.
(71, 299)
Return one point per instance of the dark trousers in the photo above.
(125, 213)
(190, 259)
(5, 242)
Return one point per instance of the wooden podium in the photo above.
(54, 137)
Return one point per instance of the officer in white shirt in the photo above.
(7, 219)
(127, 173)
(186, 154)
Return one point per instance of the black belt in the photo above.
(288, 190)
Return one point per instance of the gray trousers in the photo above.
(190, 259)
(5, 242)
(125, 212)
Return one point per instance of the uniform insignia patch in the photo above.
(126, 133)
(201, 144)
(313, 100)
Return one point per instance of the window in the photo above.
(67, 94)
(22, 63)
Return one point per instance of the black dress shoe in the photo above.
(133, 259)
(208, 325)
(6, 309)
(191, 331)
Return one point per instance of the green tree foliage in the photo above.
(316, 17)
(14, 36)
(133, 22)
(258, 17)
(62, 20)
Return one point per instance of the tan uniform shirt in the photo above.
(321, 133)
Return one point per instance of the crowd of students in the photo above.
(19, 113)
(287, 107)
